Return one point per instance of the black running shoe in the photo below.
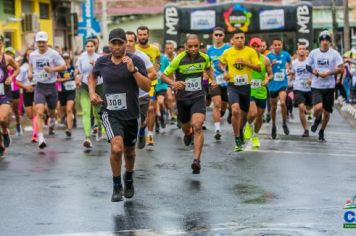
(306, 133)
(188, 139)
(196, 166)
(117, 194)
(163, 119)
(129, 189)
(228, 119)
(268, 118)
(285, 129)
(217, 135)
(157, 125)
(315, 125)
(141, 142)
(274, 132)
(6, 139)
(321, 136)
(69, 133)
(2, 152)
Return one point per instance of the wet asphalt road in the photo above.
(291, 186)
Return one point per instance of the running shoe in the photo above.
(34, 139)
(188, 139)
(2, 152)
(268, 118)
(129, 189)
(248, 131)
(19, 131)
(87, 143)
(196, 166)
(163, 118)
(217, 135)
(255, 141)
(141, 142)
(149, 140)
(41, 142)
(315, 125)
(99, 135)
(6, 139)
(321, 136)
(306, 133)
(238, 145)
(117, 194)
(274, 132)
(68, 132)
(285, 129)
(51, 124)
(310, 116)
(228, 119)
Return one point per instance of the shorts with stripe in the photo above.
(127, 129)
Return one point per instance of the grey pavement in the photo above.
(291, 186)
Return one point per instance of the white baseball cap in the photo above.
(41, 36)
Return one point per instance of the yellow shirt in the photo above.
(152, 52)
(239, 74)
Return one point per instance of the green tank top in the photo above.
(257, 89)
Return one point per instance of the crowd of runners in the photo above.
(134, 89)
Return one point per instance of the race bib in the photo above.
(43, 75)
(240, 80)
(116, 102)
(69, 85)
(278, 76)
(193, 84)
(256, 83)
(2, 90)
(220, 79)
(304, 84)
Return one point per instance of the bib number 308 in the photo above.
(116, 102)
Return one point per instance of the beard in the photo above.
(119, 53)
(143, 41)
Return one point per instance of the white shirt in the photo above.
(301, 76)
(85, 68)
(324, 62)
(148, 65)
(50, 58)
(23, 75)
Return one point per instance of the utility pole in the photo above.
(346, 26)
(104, 22)
(334, 23)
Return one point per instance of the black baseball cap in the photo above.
(325, 35)
(117, 34)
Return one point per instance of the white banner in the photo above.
(202, 20)
(272, 19)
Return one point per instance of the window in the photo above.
(26, 6)
(44, 11)
(9, 7)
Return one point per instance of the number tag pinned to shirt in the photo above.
(69, 85)
(220, 79)
(278, 76)
(193, 84)
(2, 90)
(256, 83)
(240, 80)
(116, 102)
(304, 84)
(43, 75)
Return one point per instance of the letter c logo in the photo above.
(349, 217)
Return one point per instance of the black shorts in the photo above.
(66, 96)
(260, 103)
(186, 108)
(161, 93)
(275, 94)
(28, 99)
(15, 94)
(143, 101)
(302, 97)
(240, 95)
(219, 91)
(127, 129)
(325, 96)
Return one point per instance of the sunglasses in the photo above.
(218, 35)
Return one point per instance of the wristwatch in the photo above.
(135, 70)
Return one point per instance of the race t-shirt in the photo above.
(68, 85)
(85, 67)
(280, 78)
(239, 74)
(148, 64)
(301, 76)
(324, 62)
(214, 54)
(50, 58)
(120, 88)
(258, 90)
(164, 63)
(23, 75)
(191, 72)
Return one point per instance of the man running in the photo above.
(123, 74)
(143, 96)
(237, 64)
(219, 94)
(301, 86)
(5, 95)
(143, 34)
(325, 63)
(44, 65)
(189, 67)
(278, 86)
(258, 102)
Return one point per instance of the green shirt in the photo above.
(258, 90)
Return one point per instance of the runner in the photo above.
(324, 63)
(240, 61)
(67, 94)
(278, 86)
(219, 94)
(28, 92)
(123, 74)
(143, 96)
(5, 96)
(170, 99)
(188, 67)
(258, 102)
(301, 86)
(44, 65)
(143, 34)
(84, 67)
